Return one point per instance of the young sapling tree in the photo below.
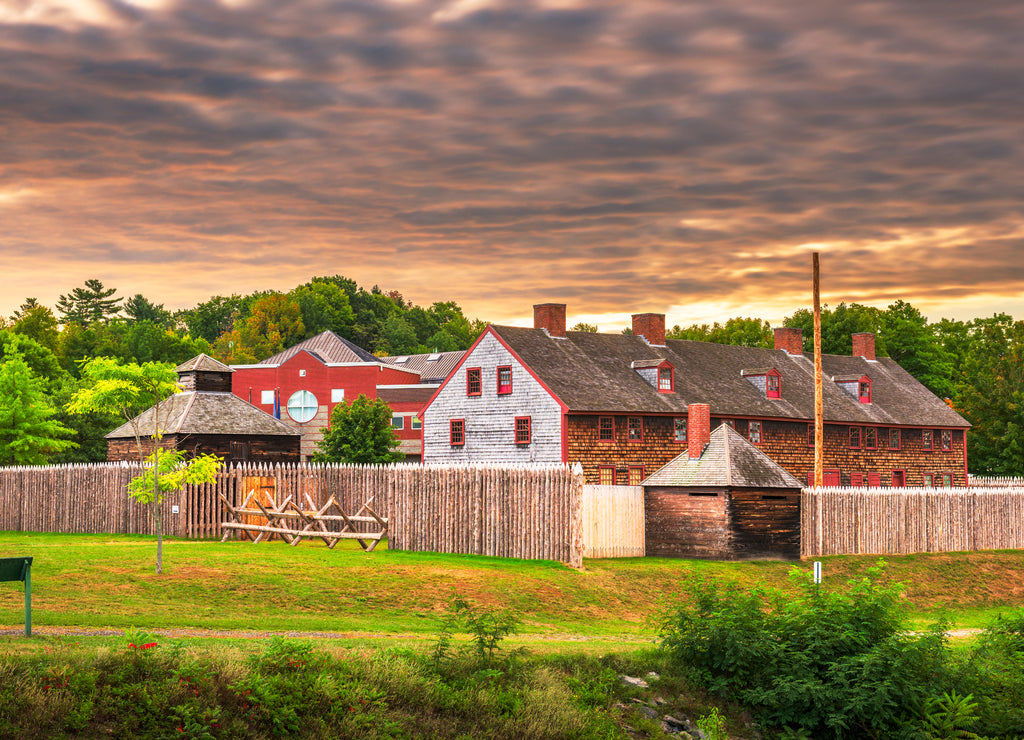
(128, 390)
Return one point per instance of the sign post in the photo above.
(20, 569)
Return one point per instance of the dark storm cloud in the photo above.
(624, 156)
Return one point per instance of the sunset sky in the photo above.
(676, 157)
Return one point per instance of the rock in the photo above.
(658, 701)
(652, 676)
(649, 713)
(631, 681)
(677, 725)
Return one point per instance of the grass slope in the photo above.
(107, 581)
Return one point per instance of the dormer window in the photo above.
(659, 373)
(666, 383)
(768, 380)
(858, 386)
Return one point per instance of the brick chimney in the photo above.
(550, 316)
(650, 326)
(790, 338)
(698, 428)
(864, 345)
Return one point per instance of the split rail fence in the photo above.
(520, 512)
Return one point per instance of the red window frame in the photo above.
(636, 475)
(474, 381)
(606, 475)
(504, 388)
(947, 480)
(946, 437)
(874, 480)
(899, 478)
(752, 425)
(870, 439)
(857, 479)
(675, 430)
(864, 390)
(831, 478)
(929, 480)
(523, 430)
(927, 440)
(670, 385)
(606, 429)
(894, 433)
(855, 438)
(773, 379)
(635, 429)
(457, 432)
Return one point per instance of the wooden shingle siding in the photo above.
(784, 442)
(658, 446)
(490, 416)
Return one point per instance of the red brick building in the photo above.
(620, 405)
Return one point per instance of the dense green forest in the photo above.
(977, 365)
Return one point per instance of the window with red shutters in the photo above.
(870, 438)
(856, 479)
(474, 386)
(457, 432)
(636, 475)
(899, 479)
(874, 480)
(666, 381)
(522, 430)
(606, 475)
(864, 391)
(505, 379)
(773, 385)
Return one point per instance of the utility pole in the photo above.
(819, 423)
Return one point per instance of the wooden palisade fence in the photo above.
(841, 521)
(521, 512)
(613, 521)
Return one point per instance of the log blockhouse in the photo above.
(206, 418)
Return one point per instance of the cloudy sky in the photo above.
(677, 157)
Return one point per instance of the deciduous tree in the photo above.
(29, 434)
(360, 433)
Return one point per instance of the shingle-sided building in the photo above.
(206, 418)
(619, 405)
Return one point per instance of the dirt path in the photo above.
(56, 631)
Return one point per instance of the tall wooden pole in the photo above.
(819, 425)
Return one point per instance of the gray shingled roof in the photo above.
(406, 394)
(592, 373)
(206, 412)
(728, 461)
(328, 347)
(203, 363)
(430, 370)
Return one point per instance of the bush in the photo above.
(828, 663)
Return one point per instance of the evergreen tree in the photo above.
(139, 308)
(360, 433)
(90, 304)
(28, 433)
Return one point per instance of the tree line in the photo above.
(976, 365)
(44, 349)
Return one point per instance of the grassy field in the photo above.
(101, 581)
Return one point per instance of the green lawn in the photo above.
(108, 581)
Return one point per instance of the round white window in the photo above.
(302, 406)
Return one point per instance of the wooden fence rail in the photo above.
(852, 521)
(521, 512)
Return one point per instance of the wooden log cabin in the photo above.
(619, 405)
(206, 418)
(722, 498)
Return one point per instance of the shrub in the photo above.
(829, 663)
